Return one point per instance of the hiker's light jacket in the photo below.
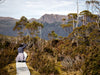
(21, 49)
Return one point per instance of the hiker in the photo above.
(20, 57)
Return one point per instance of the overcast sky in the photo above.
(37, 8)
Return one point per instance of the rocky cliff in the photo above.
(51, 18)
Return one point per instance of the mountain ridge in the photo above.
(51, 18)
(51, 22)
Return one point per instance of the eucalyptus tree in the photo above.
(77, 13)
(86, 14)
(52, 35)
(73, 16)
(71, 23)
(95, 18)
(96, 5)
(20, 25)
(33, 29)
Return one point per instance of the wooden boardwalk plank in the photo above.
(22, 68)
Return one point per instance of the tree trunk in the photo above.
(83, 20)
(73, 23)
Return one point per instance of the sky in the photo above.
(37, 8)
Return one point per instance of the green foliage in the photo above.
(72, 15)
(8, 53)
(7, 56)
(92, 62)
(66, 25)
(20, 25)
(86, 13)
(71, 22)
(88, 40)
(48, 50)
(52, 35)
(87, 50)
(80, 51)
(33, 27)
(95, 37)
(43, 63)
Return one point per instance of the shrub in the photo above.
(43, 63)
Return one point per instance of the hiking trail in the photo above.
(21, 68)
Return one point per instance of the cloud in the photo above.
(36, 8)
(54, 6)
(46, 4)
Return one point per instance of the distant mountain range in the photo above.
(51, 22)
(6, 26)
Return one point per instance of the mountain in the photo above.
(51, 18)
(51, 22)
(32, 19)
(6, 26)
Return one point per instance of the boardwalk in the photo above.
(22, 69)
